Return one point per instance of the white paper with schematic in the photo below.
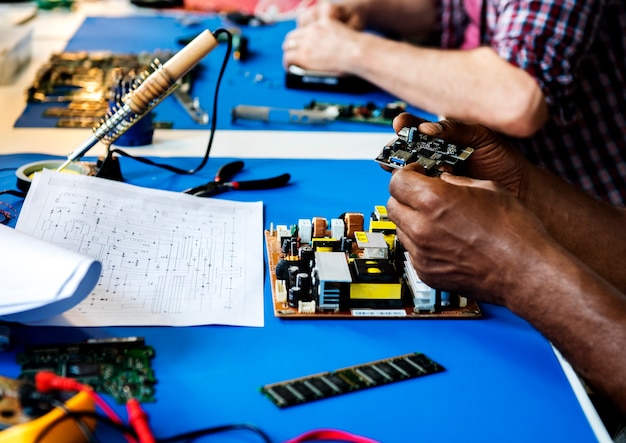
(167, 258)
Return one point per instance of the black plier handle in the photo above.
(222, 182)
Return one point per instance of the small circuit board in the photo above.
(318, 113)
(350, 379)
(120, 367)
(338, 269)
(411, 146)
(369, 112)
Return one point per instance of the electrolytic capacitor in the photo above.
(306, 256)
(293, 247)
(294, 295)
(293, 273)
(346, 244)
(303, 281)
(285, 246)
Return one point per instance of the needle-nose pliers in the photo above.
(223, 182)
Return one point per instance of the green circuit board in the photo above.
(120, 367)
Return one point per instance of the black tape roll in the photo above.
(24, 173)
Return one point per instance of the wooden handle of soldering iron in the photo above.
(162, 79)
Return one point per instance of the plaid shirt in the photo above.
(576, 50)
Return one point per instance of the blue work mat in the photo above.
(502, 381)
(259, 80)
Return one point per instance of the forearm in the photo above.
(580, 313)
(475, 237)
(592, 230)
(475, 85)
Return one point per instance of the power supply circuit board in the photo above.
(120, 367)
(338, 269)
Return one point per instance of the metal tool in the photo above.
(283, 115)
(321, 113)
(223, 182)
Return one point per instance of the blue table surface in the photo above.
(259, 80)
(502, 380)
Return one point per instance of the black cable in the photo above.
(192, 435)
(213, 119)
(128, 430)
(84, 428)
(19, 194)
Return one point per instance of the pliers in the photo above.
(223, 182)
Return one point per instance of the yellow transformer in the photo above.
(375, 285)
(325, 244)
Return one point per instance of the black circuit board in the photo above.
(412, 146)
(120, 367)
(350, 379)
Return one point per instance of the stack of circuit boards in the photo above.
(81, 85)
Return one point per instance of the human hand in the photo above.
(464, 235)
(493, 158)
(324, 45)
(346, 12)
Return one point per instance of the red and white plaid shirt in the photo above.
(576, 50)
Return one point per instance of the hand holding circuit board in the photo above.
(412, 146)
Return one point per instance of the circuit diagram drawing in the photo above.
(167, 258)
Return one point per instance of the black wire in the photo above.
(84, 428)
(213, 119)
(214, 430)
(19, 194)
(125, 429)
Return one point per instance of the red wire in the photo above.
(46, 381)
(330, 435)
(138, 419)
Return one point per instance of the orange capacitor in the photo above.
(319, 227)
(354, 222)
